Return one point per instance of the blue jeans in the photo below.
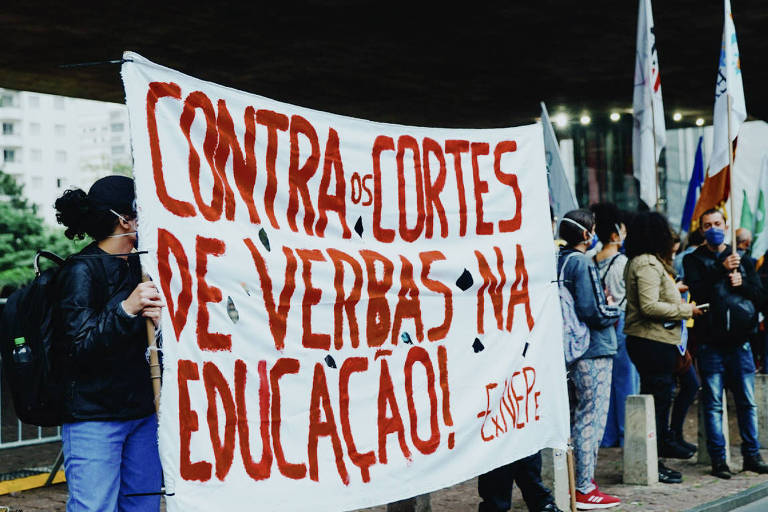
(734, 368)
(107, 461)
(625, 381)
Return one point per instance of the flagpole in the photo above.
(655, 160)
(649, 88)
(730, 176)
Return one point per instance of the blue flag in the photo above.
(694, 186)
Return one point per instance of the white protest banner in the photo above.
(356, 312)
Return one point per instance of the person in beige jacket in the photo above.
(654, 318)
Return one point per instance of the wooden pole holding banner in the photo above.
(730, 177)
(571, 479)
(155, 372)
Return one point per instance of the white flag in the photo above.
(728, 84)
(561, 197)
(647, 107)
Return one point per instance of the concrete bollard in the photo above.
(703, 453)
(640, 452)
(420, 503)
(554, 474)
(761, 399)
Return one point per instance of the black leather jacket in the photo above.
(101, 349)
(703, 272)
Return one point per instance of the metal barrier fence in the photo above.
(13, 432)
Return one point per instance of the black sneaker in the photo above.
(671, 450)
(721, 470)
(678, 436)
(668, 475)
(550, 507)
(755, 464)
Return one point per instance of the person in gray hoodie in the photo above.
(590, 376)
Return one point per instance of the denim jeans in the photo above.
(495, 487)
(734, 368)
(625, 381)
(106, 461)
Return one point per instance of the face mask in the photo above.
(620, 243)
(714, 236)
(136, 241)
(592, 241)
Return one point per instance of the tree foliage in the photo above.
(22, 234)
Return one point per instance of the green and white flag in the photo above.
(760, 243)
(747, 219)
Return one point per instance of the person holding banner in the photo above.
(591, 374)
(654, 323)
(110, 429)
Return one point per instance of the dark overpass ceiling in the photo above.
(471, 64)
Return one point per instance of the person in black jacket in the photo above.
(110, 429)
(728, 283)
(761, 339)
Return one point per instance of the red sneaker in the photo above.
(595, 500)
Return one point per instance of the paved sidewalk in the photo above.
(697, 488)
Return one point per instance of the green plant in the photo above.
(22, 234)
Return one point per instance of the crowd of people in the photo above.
(665, 320)
(660, 318)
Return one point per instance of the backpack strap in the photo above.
(108, 255)
(562, 269)
(48, 255)
(610, 264)
(98, 260)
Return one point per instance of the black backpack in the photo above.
(27, 321)
(734, 317)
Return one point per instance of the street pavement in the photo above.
(757, 506)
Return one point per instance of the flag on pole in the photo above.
(760, 239)
(747, 220)
(694, 186)
(716, 187)
(649, 133)
(729, 83)
(561, 196)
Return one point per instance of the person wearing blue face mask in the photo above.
(611, 230)
(722, 278)
(590, 375)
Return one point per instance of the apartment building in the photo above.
(50, 143)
